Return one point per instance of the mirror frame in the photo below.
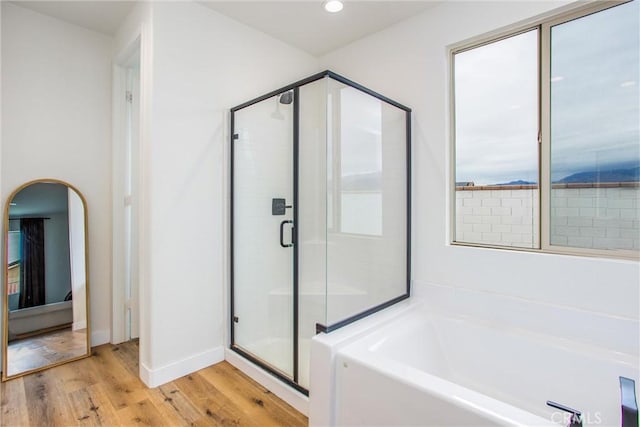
(5, 275)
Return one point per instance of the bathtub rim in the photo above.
(429, 316)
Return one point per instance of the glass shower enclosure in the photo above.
(320, 216)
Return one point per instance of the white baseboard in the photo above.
(100, 337)
(164, 374)
(293, 397)
(79, 325)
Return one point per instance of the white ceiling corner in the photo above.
(306, 25)
(102, 16)
(300, 23)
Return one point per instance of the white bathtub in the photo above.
(413, 365)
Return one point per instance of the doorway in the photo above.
(126, 160)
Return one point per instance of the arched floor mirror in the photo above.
(46, 288)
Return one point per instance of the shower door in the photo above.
(263, 233)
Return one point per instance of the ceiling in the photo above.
(301, 23)
(306, 25)
(101, 16)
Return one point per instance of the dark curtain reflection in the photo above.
(32, 262)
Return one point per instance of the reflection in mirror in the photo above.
(46, 313)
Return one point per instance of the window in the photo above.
(595, 149)
(547, 136)
(496, 128)
(13, 259)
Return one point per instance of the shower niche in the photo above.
(320, 216)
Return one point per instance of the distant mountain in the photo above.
(612, 175)
(518, 182)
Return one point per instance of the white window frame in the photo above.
(543, 25)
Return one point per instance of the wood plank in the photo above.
(212, 403)
(128, 353)
(122, 388)
(46, 403)
(14, 403)
(91, 407)
(144, 413)
(75, 376)
(251, 397)
(170, 400)
(167, 411)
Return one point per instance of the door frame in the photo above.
(123, 66)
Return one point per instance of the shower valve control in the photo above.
(279, 206)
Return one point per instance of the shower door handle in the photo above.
(282, 243)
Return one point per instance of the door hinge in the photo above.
(235, 136)
(128, 96)
(235, 319)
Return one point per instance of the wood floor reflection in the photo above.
(42, 350)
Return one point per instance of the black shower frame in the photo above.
(296, 144)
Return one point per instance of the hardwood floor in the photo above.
(104, 390)
(45, 349)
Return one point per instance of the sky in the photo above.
(595, 112)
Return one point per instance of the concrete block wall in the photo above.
(594, 216)
(599, 218)
(503, 216)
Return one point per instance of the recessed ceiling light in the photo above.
(333, 6)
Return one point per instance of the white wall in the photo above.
(408, 62)
(77, 259)
(56, 123)
(203, 64)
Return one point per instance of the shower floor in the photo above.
(277, 353)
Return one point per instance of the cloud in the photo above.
(595, 103)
